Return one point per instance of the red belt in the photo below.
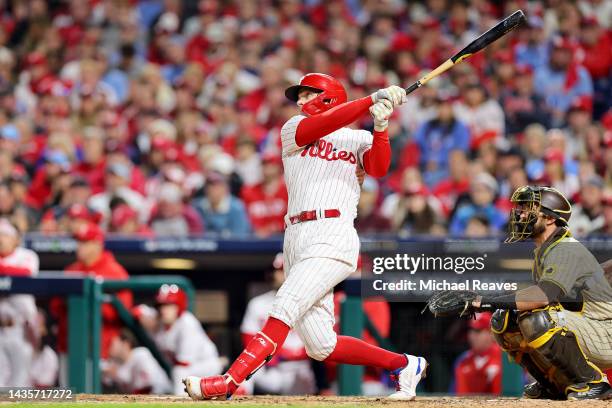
(314, 215)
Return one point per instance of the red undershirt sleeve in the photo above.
(313, 128)
(376, 161)
(14, 270)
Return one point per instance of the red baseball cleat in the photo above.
(216, 387)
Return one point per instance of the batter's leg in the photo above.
(316, 329)
(307, 282)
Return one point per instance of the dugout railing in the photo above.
(84, 297)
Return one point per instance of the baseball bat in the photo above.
(507, 24)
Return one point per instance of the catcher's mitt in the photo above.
(452, 303)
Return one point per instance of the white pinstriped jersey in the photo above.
(19, 308)
(321, 176)
(22, 258)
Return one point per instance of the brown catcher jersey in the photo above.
(571, 266)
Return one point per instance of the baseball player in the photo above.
(44, 369)
(321, 245)
(133, 369)
(181, 338)
(560, 328)
(18, 313)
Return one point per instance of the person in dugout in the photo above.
(92, 260)
(181, 338)
(132, 368)
(479, 369)
(17, 311)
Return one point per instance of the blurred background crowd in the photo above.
(162, 117)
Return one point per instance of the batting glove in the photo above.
(394, 93)
(381, 111)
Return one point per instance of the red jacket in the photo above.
(479, 373)
(40, 189)
(597, 59)
(94, 173)
(106, 267)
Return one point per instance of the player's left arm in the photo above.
(532, 297)
(561, 268)
(377, 158)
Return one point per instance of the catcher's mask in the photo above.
(531, 201)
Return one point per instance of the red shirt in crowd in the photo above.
(93, 173)
(266, 210)
(447, 191)
(597, 58)
(40, 189)
(479, 373)
(106, 267)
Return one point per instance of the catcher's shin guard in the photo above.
(506, 331)
(557, 351)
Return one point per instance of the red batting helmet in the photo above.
(173, 295)
(332, 92)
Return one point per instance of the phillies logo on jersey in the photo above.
(325, 150)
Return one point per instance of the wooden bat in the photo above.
(501, 28)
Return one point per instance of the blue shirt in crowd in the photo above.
(230, 219)
(436, 140)
(551, 86)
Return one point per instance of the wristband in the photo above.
(491, 304)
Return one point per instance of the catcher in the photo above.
(563, 350)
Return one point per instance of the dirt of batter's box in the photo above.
(420, 402)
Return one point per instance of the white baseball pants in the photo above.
(317, 256)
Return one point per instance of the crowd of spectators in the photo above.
(162, 117)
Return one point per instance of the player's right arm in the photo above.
(300, 131)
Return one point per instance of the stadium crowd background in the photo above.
(162, 117)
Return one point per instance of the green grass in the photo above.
(217, 404)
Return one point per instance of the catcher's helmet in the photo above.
(534, 200)
(173, 295)
(331, 94)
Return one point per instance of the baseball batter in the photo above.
(321, 245)
(560, 328)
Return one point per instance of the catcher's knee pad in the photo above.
(556, 351)
(534, 325)
(320, 347)
(506, 331)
